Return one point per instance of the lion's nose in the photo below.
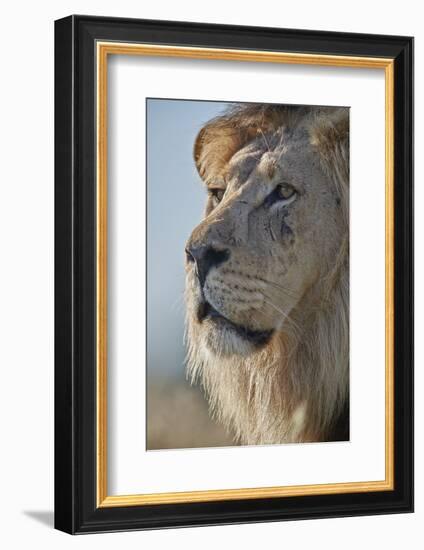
(205, 257)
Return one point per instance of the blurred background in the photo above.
(177, 414)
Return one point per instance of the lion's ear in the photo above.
(198, 147)
(330, 131)
(330, 136)
(215, 144)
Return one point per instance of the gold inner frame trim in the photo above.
(104, 49)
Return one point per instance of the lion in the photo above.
(267, 273)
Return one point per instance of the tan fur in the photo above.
(288, 272)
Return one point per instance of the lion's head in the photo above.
(267, 271)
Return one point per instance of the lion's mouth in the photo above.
(258, 338)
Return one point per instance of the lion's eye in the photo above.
(217, 194)
(285, 191)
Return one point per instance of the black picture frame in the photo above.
(76, 508)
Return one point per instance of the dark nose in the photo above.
(206, 257)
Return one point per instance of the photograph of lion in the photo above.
(267, 275)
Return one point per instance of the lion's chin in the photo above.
(225, 342)
(224, 337)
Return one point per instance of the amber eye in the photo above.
(217, 194)
(285, 191)
(283, 194)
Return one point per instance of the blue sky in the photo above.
(175, 201)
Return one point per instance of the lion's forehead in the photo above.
(243, 163)
(291, 157)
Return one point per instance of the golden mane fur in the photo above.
(296, 388)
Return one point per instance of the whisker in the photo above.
(283, 149)
(177, 304)
(281, 137)
(287, 291)
(265, 140)
(282, 313)
(295, 330)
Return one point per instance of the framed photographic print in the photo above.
(233, 268)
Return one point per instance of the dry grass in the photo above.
(177, 417)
